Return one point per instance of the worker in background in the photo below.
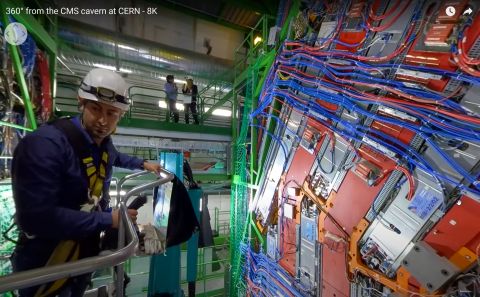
(190, 89)
(59, 199)
(172, 93)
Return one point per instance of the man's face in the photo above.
(171, 80)
(99, 119)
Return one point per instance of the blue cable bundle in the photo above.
(340, 90)
(266, 278)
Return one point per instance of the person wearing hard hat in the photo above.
(190, 89)
(61, 176)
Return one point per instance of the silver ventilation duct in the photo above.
(85, 44)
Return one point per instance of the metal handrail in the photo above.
(39, 276)
(120, 183)
(121, 233)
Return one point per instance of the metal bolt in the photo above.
(468, 257)
(401, 274)
(459, 202)
(435, 232)
(364, 224)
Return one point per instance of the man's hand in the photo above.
(152, 167)
(132, 212)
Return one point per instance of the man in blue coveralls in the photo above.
(49, 180)
(172, 93)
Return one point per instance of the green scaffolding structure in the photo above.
(240, 196)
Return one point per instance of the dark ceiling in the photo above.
(242, 15)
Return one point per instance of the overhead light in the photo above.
(221, 112)
(163, 104)
(200, 204)
(175, 81)
(114, 193)
(111, 68)
(127, 47)
(257, 40)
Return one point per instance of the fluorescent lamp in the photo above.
(127, 47)
(175, 80)
(200, 204)
(114, 193)
(163, 104)
(111, 68)
(257, 40)
(105, 66)
(222, 112)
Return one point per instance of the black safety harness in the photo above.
(72, 250)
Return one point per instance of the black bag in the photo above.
(182, 220)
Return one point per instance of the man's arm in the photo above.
(37, 167)
(128, 162)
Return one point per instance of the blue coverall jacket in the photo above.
(47, 180)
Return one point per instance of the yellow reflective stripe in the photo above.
(91, 170)
(97, 187)
(61, 254)
(88, 160)
(105, 157)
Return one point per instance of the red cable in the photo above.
(385, 15)
(410, 181)
(399, 50)
(466, 59)
(391, 101)
(382, 28)
(328, 6)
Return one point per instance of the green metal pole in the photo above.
(53, 65)
(253, 131)
(234, 116)
(15, 126)
(17, 64)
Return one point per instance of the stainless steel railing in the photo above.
(39, 276)
(121, 233)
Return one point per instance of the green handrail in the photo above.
(202, 102)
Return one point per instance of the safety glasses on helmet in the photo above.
(105, 94)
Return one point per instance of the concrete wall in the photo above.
(166, 26)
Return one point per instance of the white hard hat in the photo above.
(105, 86)
(188, 77)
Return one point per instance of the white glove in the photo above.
(155, 241)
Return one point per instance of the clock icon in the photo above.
(450, 11)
